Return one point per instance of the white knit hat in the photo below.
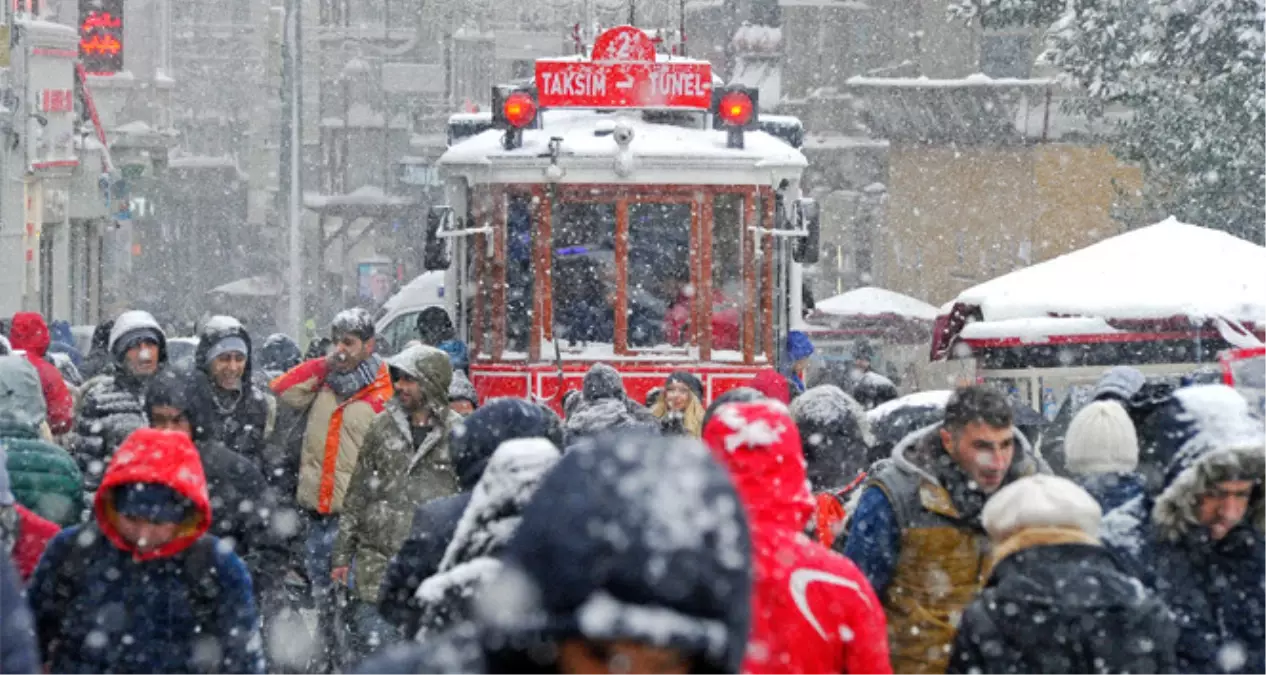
(1041, 501)
(1101, 439)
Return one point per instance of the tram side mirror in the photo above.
(805, 218)
(435, 249)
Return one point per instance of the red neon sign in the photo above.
(101, 36)
(623, 74)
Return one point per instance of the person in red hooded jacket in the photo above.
(143, 588)
(812, 610)
(30, 334)
(773, 384)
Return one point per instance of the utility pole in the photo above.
(295, 212)
(632, 12)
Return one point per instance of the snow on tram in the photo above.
(625, 207)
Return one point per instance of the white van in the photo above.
(397, 320)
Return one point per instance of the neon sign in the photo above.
(101, 35)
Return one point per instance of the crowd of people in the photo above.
(263, 510)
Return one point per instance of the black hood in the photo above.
(603, 382)
(479, 435)
(218, 328)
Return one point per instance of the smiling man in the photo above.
(917, 535)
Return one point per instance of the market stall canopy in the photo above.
(870, 301)
(368, 201)
(1167, 276)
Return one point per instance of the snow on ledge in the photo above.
(1036, 330)
(923, 82)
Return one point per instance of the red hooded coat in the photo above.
(772, 384)
(30, 334)
(812, 610)
(154, 456)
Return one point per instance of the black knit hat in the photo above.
(687, 378)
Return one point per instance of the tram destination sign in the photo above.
(623, 73)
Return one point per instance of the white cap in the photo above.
(1101, 439)
(1041, 501)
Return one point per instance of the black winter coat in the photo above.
(242, 420)
(1064, 608)
(245, 511)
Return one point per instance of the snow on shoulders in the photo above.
(1221, 416)
(873, 301)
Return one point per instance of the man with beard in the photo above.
(404, 462)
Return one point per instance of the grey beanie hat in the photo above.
(1120, 382)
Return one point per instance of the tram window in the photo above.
(584, 272)
(519, 277)
(727, 271)
(659, 293)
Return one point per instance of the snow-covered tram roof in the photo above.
(660, 154)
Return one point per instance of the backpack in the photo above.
(198, 568)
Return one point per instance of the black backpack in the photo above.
(198, 569)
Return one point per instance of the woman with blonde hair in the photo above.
(680, 406)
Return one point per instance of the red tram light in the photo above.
(519, 109)
(736, 109)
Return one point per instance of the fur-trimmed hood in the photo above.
(1219, 440)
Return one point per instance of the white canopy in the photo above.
(1156, 272)
(872, 301)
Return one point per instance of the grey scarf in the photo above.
(345, 385)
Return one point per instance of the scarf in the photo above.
(345, 385)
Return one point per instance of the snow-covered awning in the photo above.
(364, 202)
(265, 286)
(973, 109)
(1164, 277)
(870, 301)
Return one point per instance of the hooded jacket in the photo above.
(773, 384)
(131, 610)
(495, 509)
(916, 534)
(606, 406)
(44, 477)
(98, 360)
(630, 539)
(1063, 607)
(334, 432)
(34, 533)
(812, 610)
(836, 436)
(112, 404)
(435, 522)
(397, 472)
(243, 421)
(30, 334)
(1216, 589)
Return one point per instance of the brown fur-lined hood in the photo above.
(1222, 441)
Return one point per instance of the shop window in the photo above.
(584, 272)
(659, 290)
